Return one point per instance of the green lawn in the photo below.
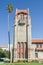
(21, 64)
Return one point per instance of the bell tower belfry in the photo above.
(22, 35)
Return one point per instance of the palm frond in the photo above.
(10, 8)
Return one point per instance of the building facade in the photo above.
(37, 45)
(24, 48)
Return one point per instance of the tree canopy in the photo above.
(10, 8)
(4, 53)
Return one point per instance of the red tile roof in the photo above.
(24, 11)
(37, 40)
(3, 46)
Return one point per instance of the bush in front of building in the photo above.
(6, 60)
(36, 61)
(1, 59)
(22, 61)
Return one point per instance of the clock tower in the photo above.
(22, 36)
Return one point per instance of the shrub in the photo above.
(22, 61)
(35, 61)
(1, 60)
(6, 60)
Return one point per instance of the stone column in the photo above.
(29, 38)
(15, 40)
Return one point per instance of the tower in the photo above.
(22, 35)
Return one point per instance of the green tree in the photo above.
(1, 51)
(4, 53)
(10, 8)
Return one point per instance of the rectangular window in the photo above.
(36, 55)
(37, 45)
(40, 45)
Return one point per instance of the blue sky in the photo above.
(36, 13)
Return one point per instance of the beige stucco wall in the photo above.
(40, 55)
(34, 46)
(21, 34)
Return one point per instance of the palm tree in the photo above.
(10, 10)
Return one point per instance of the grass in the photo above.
(21, 63)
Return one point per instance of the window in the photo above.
(40, 45)
(37, 45)
(36, 55)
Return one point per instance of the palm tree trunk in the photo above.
(9, 35)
